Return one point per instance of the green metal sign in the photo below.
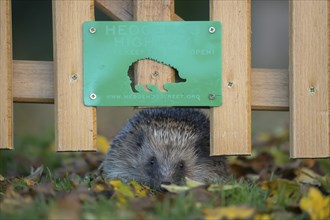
(193, 49)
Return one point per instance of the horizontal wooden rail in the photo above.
(33, 82)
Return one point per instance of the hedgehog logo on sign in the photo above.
(154, 79)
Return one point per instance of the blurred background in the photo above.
(32, 40)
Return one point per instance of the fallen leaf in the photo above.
(102, 144)
(219, 187)
(139, 190)
(307, 176)
(29, 182)
(228, 213)
(316, 205)
(12, 200)
(175, 188)
(262, 217)
(192, 183)
(66, 207)
(282, 190)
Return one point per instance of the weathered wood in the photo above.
(121, 10)
(33, 82)
(75, 123)
(6, 98)
(146, 71)
(309, 79)
(270, 89)
(231, 123)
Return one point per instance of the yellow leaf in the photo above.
(316, 205)
(122, 188)
(29, 182)
(280, 189)
(1, 178)
(140, 190)
(102, 144)
(230, 212)
(115, 183)
(262, 217)
(175, 188)
(219, 187)
(99, 187)
(192, 183)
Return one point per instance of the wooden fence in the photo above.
(303, 89)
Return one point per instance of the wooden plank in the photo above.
(231, 123)
(270, 89)
(309, 79)
(147, 71)
(33, 81)
(75, 123)
(6, 97)
(121, 10)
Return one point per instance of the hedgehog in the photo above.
(163, 146)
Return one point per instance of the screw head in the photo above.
(211, 29)
(74, 77)
(230, 84)
(312, 90)
(211, 96)
(92, 96)
(155, 74)
(92, 30)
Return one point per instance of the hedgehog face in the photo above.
(157, 148)
(167, 156)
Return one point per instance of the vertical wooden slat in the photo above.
(153, 10)
(309, 79)
(231, 123)
(75, 123)
(6, 98)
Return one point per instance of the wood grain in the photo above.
(6, 98)
(309, 79)
(147, 71)
(75, 123)
(231, 123)
(121, 10)
(33, 82)
(270, 89)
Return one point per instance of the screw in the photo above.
(92, 96)
(74, 77)
(92, 30)
(211, 96)
(230, 84)
(155, 74)
(312, 90)
(211, 29)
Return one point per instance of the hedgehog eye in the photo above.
(152, 161)
(181, 165)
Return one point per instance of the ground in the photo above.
(36, 183)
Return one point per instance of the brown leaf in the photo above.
(46, 189)
(67, 206)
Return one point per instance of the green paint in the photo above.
(189, 47)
